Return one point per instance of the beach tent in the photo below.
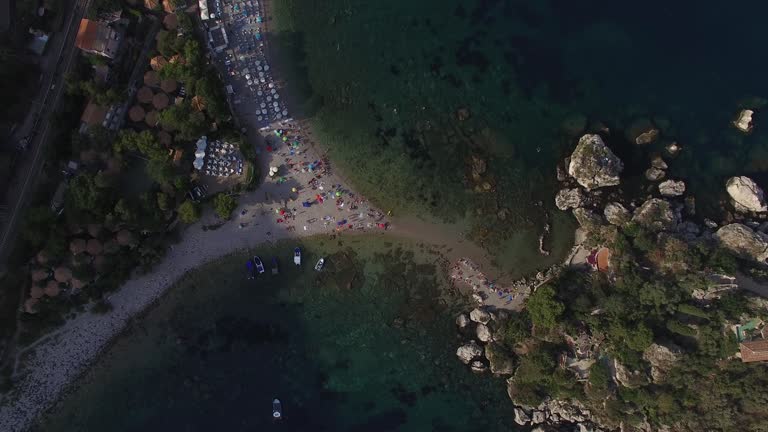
(306, 204)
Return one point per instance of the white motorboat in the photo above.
(297, 256)
(259, 264)
(277, 409)
(320, 264)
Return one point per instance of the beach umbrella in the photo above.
(136, 113)
(198, 164)
(94, 247)
(62, 274)
(35, 292)
(160, 101)
(151, 78)
(52, 289)
(151, 118)
(200, 154)
(168, 85)
(145, 95)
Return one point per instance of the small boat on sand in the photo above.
(259, 264)
(297, 256)
(277, 409)
(320, 264)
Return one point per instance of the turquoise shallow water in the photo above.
(366, 346)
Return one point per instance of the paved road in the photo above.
(30, 163)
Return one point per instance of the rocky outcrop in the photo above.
(658, 163)
(574, 125)
(483, 333)
(656, 215)
(672, 188)
(642, 131)
(616, 214)
(673, 149)
(479, 166)
(570, 198)
(469, 352)
(625, 377)
(662, 359)
(744, 242)
(746, 195)
(462, 321)
(521, 417)
(587, 218)
(480, 316)
(499, 362)
(744, 122)
(478, 367)
(654, 174)
(593, 164)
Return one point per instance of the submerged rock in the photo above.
(744, 122)
(746, 194)
(642, 131)
(672, 188)
(462, 321)
(656, 215)
(468, 352)
(570, 198)
(479, 166)
(654, 174)
(574, 125)
(593, 164)
(480, 316)
(744, 242)
(658, 162)
(616, 214)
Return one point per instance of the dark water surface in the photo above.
(366, 346)
(383, 80)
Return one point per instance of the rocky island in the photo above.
(650, 330)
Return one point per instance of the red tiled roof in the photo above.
(93, 114)
(752, 351)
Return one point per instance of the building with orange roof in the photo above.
(754, 351)
(96, 37)
(603, 259)
(93, 114)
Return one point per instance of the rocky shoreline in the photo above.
(590, 180)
